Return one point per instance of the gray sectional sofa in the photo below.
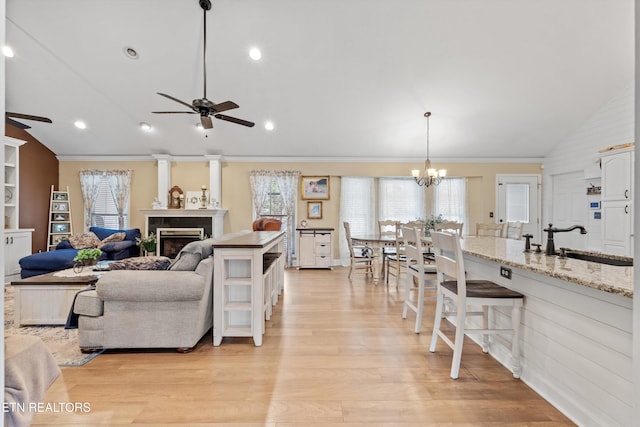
(150, 308)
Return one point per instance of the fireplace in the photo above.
(211, 220)
(172, 240)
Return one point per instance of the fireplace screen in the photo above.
(172, 240)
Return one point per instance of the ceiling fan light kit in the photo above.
(204, 107)
(430, 176)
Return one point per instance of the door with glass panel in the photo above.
(518, 199)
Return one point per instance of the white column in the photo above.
(164, 178)
(215, 177)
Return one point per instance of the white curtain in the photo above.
(451, 200)
(400, 199)
(89, 185)
(287, 183)
(358, 208)
(120, 184)
(263, 184)
(260, 188)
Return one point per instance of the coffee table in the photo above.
(47, 298)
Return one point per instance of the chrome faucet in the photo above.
(551, 248)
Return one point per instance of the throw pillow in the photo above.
(141, 263)
(84, 240)
(186, 261)
(115, 237)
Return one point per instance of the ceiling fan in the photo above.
(203, 106)
(9, 120)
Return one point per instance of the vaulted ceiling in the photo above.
(338, 78)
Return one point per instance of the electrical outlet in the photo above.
(505, 272)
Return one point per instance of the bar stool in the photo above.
(453, 285)
(417, 268)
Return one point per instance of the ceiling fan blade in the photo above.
(235, 120)
(206, 122)
(174, 112)
(175, 99)
(28, 117)
(16, 124)
(223, 106)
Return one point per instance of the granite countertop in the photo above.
(509, 252)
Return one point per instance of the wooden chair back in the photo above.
(489, 229)
(453, 226)
(513, 230)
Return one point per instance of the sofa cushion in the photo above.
(84, 240)
(141, 263)
(191, 255)
(186, 261)
(103, 233)
(150, 286)
(118, 246)
(49, 261)
(115, 237)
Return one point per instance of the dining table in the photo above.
(378, 242)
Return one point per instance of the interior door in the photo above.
(518, 199)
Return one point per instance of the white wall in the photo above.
(612, 124)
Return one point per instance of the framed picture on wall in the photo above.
(314, 187)
(314, 210)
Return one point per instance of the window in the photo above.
(274, 203)
(517, 202)
(400, 199)
(105, 194)
(105, 212)
(450, 199)
(365, 200)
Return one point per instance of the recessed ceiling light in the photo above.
(269, 126)
(80, 124)
(130, 52)
(7, 51)
(255, 54)
(145, 126)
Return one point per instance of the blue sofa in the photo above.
(62, 257)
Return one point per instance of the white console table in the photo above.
(248, 275)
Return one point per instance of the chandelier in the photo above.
(430, 176)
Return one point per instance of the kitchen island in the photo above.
(576, 336)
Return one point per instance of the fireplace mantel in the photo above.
(216, 216)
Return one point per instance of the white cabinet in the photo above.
(617, 202)
(617, 176)
(616, 227)
(315, 247)
(17, 244)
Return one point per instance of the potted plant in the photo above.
(147, 244)
(86, 257)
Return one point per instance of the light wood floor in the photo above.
(335, 353)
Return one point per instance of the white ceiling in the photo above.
(502, 78)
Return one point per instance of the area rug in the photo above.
(61, 342)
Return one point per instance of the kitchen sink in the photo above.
(601, 259)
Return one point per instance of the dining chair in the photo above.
(450, 226)
(395, 261)
(387, 227)
(360, 257)
(513, 230)
(453, 285)
(418, 269)
(489, 229)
